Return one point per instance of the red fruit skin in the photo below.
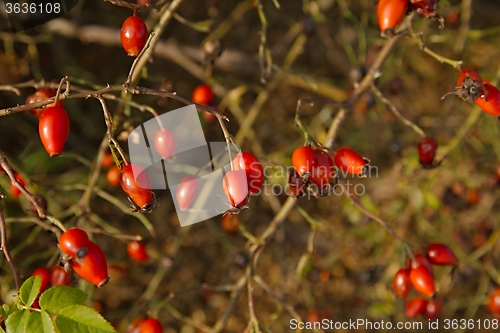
(415, 306)
(137, 251)
(426, 8)
(253, 169)
(324, 171)
(491, 102)
(390, 13)
(138, 190)
(427, 151)
(44, 274)
(164, 143)
(424, 261)
(93, 267)
(296, 184)
(401, 282)
(303, 160)
(14, 191)
(186, 192)
(230, 223)
(440, 254)
(350, 162)
(151, 325)
(468, 73)
(41, 95)
(202, 94)
(74, 243)
(113, 176)
(54, 129)
(133, 35)
(235, 187)
(59, 277)
(433, 309)
(494, 302)
(107, 161)
(135, 327)
(422, 280)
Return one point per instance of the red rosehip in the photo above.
(422, 280)
(494, 302)
(133, 35)
(137, 251)
(490, 102)
(230, 223)
(401, 282)
(186, 192)
(41, 95)
(54, 129)
(113, 176)
(350, 162)
(164, 143)
(93, 267)
(427, 151)
(74, 243)
(14, 191)
(107, 160)
(44, 274)
(432, 309)
(303, 160)
(203, 95)
(253, 169)
(390, 13)
(151, 325)
(59, 276)
(324, 171)
(440, 254)
(426, 8)
(296, 184)
(235, 187)
(415, 306)
(136, 184)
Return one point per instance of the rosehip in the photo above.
(490, 102)
(230, 222)
(440, 254)
(415, 306)
(494, 302)
(235, 187)
(137, 251)
(390, 13)
(74, 243)
(427, 151)
(93, 267)
(401, 282)
(164, 142)
(253, 169)
(136, 184)
(44, 274)
(202, 94)
(422, 280)
(59, 276)
(186, 192)
(133, 35)
(303, 160)
(14, 191)
(350, 162)
(54, 129)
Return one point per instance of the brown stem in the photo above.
(5, 249)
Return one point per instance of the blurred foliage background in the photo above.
(353, 259)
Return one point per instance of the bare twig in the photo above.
(5, 248)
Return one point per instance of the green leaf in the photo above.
(30, 289)
(16, 323)
(39, 322)
(81, 319)
(57, 298)
(1, 330)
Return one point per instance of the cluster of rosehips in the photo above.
(419, 274)
(391, 12)
(85, 257)
(53, 126)
(314, 169)
(147, 325)
(244, 180)
(471, 88)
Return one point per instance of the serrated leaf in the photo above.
(57, 298)
(30, 289)
(81, 319)
(39, 322)
(16, 322)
